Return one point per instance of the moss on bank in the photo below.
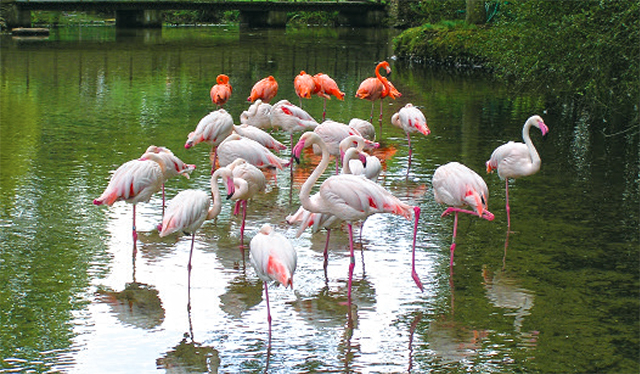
(588, 50)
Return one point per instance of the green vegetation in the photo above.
(587, 50)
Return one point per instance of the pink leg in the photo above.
(193, 238)
(244, 216)
(324, 109)
(326, 256)
(266, 295)
(163, 198)
(453, 244)
(414, 274)
(380, 119)
(508, 209)
(135, 233)
(352, 263)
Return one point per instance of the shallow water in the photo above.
(559, 294)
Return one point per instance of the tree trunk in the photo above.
(476, 13)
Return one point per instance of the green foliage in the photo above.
(415, 13)
(584, 49)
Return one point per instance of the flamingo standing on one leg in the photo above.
(304, 85)
(274, 260)
(515, 159)
(173, 167)
(456, 185)
(188, 210)
(410, 119)
(351, 198)
(377, 88)
(248, 181)
(221, 91)
(325, 87)
(264, 89)
(134, 181)
(212, 129)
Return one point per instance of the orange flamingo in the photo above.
(304, 85)
(377, 89)
(325, 87)
(265, 90)
(221, 91)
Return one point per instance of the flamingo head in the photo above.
(296, 152)
(538, 122)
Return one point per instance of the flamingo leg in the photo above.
(326, 256)
(507, 199)
(291, 160)
(453, 244)
(244, 216)
(324, 109)
(135, 233)
(193, 238)
(163, 200)
(371, 115)
(380, 119)
(414, 274)
(352, 263)
(266, 295)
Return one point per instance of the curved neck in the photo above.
(155, 158)
(533, 153)
(350, 154)
(383, 80)
(313, 178)
(215, 192)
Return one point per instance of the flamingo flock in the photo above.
(242, 153)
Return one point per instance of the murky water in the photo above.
(559, 294)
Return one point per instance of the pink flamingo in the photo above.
(291, 119)
(237, 146)
(248, 181)
(332, 133)
(351, 198)
(134, 181)
(188, 210)
(365, 128)
(221, 91)
(212, 129)
(356, 161)
(456, 185)
(325, 87)
(515, 159)
(258, 115)
(304, 85)
(377, 88)
(264, 89)
(173, 166)
(410, 119)
(260, 136)
(274, 259)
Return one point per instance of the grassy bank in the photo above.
(586, 50)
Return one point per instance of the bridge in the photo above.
(254, 13)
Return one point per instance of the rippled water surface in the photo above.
(559, 294)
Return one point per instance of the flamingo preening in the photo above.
(248, 181)
(515, 159)
(304, 86)
(351, 198)
(237, 146)
(456, 185)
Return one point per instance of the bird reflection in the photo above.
(505, 293)
(240, 296)
(137, 305)
(190, 356)
(412, 330)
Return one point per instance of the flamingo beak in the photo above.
(544, 128)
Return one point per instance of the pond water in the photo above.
(559, 294)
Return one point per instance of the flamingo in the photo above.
(265, 90)
(173, 167)
(274, 259)
(377, 89)
(365, 128)
(291, 119)
(351, 198)
(325, 87)
(515, 159)
(134, 181)
(258, 115)
(188, 210)
(237, 146)
(332, 133)
(304, 85)
(221, 91)
(212, 129)
(410, 119)
(456, 185)
(358, 162)
(248, 181)
(259, 136)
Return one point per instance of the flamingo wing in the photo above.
(273, 256)
(185, 212)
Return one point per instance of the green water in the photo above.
(558, 295)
